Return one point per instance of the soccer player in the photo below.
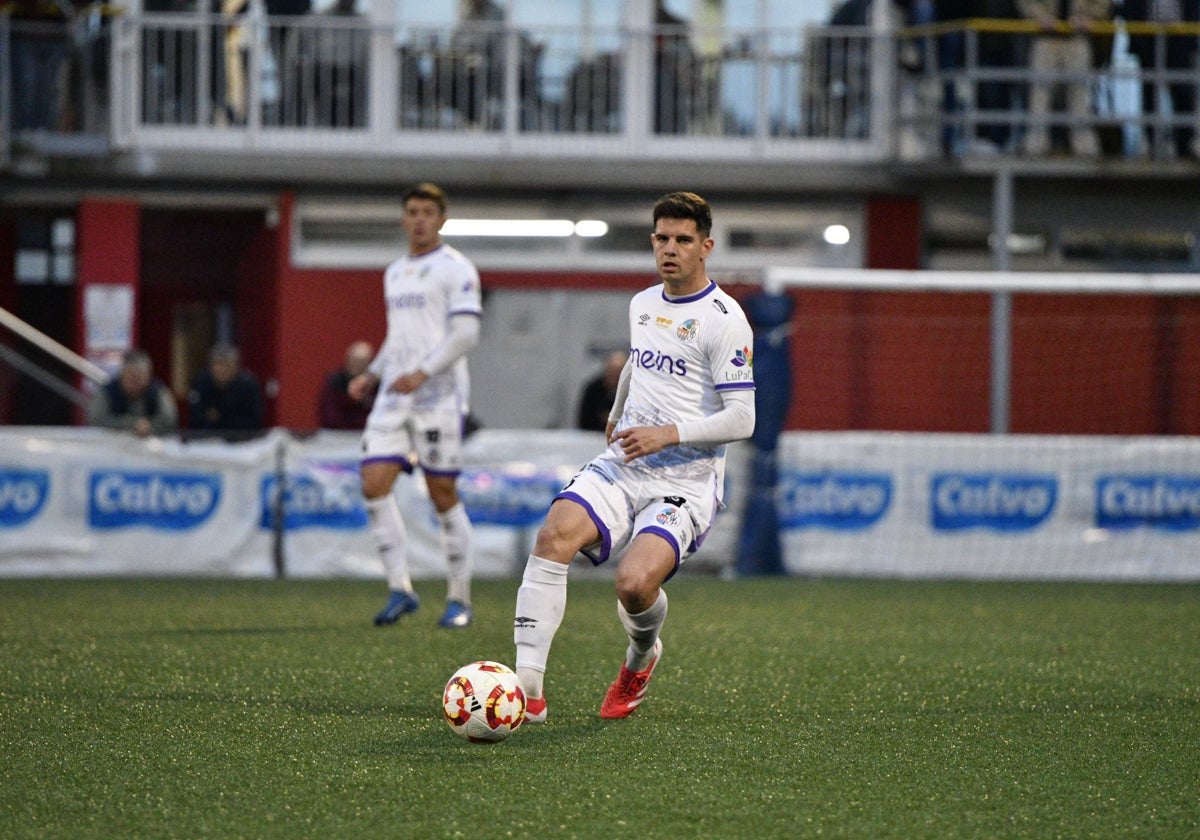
(433, 314)
(686, 391)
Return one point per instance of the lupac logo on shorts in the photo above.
(840, 501)
(327, 496)
(169, 501)
(1008, 502)
(22, 495)
(1155, 500)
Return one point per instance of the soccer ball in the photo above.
(483, 702)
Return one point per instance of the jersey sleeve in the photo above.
(732, 353)
(464, 294)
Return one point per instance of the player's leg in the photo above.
(542, 597)
(391, 537)
(642, 609)
(438, 439)
(457, 537)
(666, 531)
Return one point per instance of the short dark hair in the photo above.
(685, 205)
(137, 357)
(427, 190)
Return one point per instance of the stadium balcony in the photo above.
(320, 98)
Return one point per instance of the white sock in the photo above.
(456, 533)
(541, 602)
(643, 629)
(391, 538)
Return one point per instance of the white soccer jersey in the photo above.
(683, 352)
(421, 294)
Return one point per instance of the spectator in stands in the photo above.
(38, 53)
(478, 78)
(336, 409)
(1165, 99)
(1061, 52)
(674, 72)
(951, 48)
(1000, 52)
(226, 399)
(135, 400)
(599, 393)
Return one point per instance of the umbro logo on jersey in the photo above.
(524, 621)
(643, 319)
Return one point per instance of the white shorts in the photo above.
(624, 501)
(429, 438)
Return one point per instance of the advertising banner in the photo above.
(991, 506)
(97, 502)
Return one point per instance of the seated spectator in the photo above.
(226, 399)
(598, 394)
(336, 409)
(135, 400)
(1058, 56)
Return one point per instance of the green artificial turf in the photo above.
(781, 708)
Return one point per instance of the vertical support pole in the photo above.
(279, 512)
(1001, 327)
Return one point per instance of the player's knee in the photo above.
(637, 589)
(375, 489)
(443, 497)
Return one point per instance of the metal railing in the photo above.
(213, 83)
(967, 87)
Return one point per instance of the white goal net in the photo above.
(992, 425)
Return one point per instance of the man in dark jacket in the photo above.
(336, 409)
(226, 399)
(135, 400)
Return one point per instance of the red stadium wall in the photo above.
(320, 312)
(880, 361)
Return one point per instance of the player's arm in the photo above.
(734, 421)
(618, 406)
(462, 334)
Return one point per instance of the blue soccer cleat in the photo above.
(457, 614)
(397, 605)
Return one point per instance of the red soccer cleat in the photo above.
(623, 696)
(535, 710)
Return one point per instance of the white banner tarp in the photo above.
(94, 502)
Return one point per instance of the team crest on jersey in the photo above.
(667, 516)
(688, 329)
(743, 358)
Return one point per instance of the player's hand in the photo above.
(639, 441)
(609, 427)
(409, 382)
(360, 386)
